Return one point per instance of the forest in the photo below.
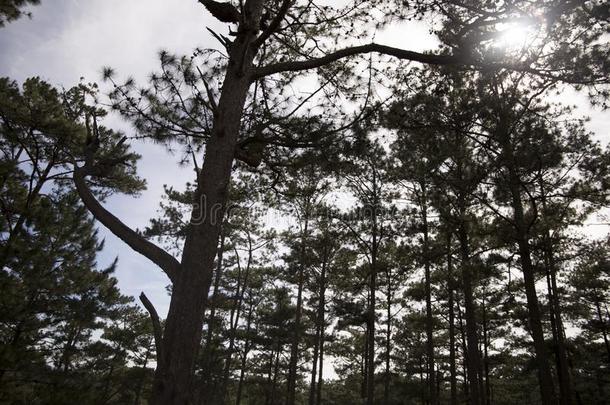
(359, 223)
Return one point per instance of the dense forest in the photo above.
(363, 224)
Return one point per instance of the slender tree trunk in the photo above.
(244, 358)
(322, 309)
(207, 354)
(173, 382)
(372, 315)
(602, 323)
(296, 339)
(314, 368)
(235, 317)
(486, 353)
(422, 384)
(276, 372)
(320, 369)
(566, 393)
(388, 339)
(452, 368)
(428, 291)
(313, 399)
(464, 352)
(473, 359)
(269, 378)
(547, 389)
(372, 319)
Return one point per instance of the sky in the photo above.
(69, 39)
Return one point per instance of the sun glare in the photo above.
(515, 36)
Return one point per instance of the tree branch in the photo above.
(149, 250)
(274, 25)
(156, 324)
(294, 66)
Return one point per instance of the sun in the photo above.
(515, 36)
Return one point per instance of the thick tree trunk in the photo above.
(173, 382)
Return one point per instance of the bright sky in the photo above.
(69, 39)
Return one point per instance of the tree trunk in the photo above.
(464, 351)
(602, 323)
(486, 353)
(314, 368)
(173, 382)
(206, 390)
(452, 369)
(321, 369)
(244, 358)
(234, 320)
(276, 372)
(547, 389)
(313, 398)
(322, 310)
(566, 393)
(372, 317)
(473, 359)
(388, 339)
(429, 317)
(296, 339)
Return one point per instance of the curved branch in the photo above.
(294, 66)
(149, 250)
(156, 324)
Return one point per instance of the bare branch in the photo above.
(138, 243)
(294, 66)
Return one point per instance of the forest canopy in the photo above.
(354, 222)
